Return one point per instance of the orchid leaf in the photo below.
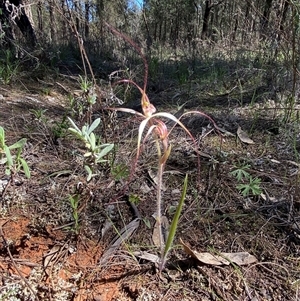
(174, 224)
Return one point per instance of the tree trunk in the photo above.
(284, 14)
(87, 15)
(266, 17)
(77, 14)
(40, 16)
(14, 9)
(204, 34)
(53, 31)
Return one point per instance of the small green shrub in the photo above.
(252, 187)
(120, 171)
(39, 114)
(96, 151)
(247, 185)
(74, 202)
(13, 162)
(9, 66)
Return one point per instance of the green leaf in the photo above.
(25, 167)
(120, 171)
(7, 172)
(75, 127)
(2, 137)
(8, 156)
(92, 140)
(84, 132)
(74, 201)
(240, 173)
(107, 148)
(89, 171)
(92, 99)
(253, 187)
(18, 144)
(244, 189)
(77, 134)
(134, 198)
(147, 223)
(94, 125)
(174, 224)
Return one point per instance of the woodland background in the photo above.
(173, 33)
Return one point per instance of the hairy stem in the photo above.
(159, 206)
(159, 198)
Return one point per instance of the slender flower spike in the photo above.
(153, 125)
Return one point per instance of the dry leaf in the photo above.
(50, 258)
(121, 237)
(243, 136)
(147, 256)
(154, 179)
(225, 132)
(239, 258)
(106, 226)
(155, 234)
(145, 189)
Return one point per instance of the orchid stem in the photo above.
(159, 197)
(159, 206)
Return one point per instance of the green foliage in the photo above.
(247, 185)
(96, 151)
(14, 163)
(241, 172)
(76, 106)
(74, 202)
(39, 114)
(154, 67)
(120, 172)
(85, 84)
(134, 199)
(60, 128)
(9, 66)
(174, 225)
(250, 188)
(183, 73)
(81, 105)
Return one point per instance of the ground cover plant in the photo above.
(114, 184)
